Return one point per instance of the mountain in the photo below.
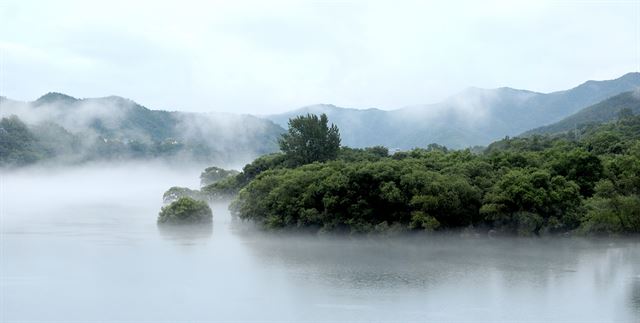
(63, 127)
(59, 126)
(602, 112)
(472, 117)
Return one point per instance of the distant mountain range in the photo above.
(57, 125)
(112, 127)
(472, 117)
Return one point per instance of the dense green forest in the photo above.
(583, 181)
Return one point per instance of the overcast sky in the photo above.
(272, 56)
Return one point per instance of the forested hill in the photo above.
(472, 117)
(60, 127)
(605, 111)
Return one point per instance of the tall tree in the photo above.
(310, 139)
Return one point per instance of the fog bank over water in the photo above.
(82, 244)
(39, 191)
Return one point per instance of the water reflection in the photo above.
(634, 294)
(488, 279)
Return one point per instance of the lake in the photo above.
(81, 244)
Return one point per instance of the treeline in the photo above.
(22, 144)
(584, 181)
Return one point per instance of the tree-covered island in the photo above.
(185, 210)
(584, 181)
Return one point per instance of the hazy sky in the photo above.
(271, 56)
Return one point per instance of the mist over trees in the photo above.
(175, 193)
(214, 174)
(18, 145)
(60, 128)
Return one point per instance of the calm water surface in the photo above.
(82, 245)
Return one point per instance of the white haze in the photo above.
(271, 56)
(76, 118)
(231, 136)
(471, 108)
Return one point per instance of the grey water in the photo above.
(82, 244)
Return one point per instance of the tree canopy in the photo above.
(185, 210)
(310, 139)
(214, 174)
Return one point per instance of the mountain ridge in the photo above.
(601, 112)
(474, 116)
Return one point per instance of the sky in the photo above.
(264, 57)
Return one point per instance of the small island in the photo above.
(185, 210)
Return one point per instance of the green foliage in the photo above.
(226, 188)
(580, 166)
(358, 196)
(322, 142)
(214, 174)
(231, 185)
(309, 140)
(18, 145)
(613, 209)
(420, 220)
(527, 186)
(532, 196)
(175, 193)
(359, 154)
(185, 210)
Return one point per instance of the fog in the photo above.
(75, 116)
(82, 244)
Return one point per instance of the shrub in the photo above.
(176, 192)
(185, 211)
(214, 174)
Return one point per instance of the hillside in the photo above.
(76, 130)
(472, 117)
(602, 112)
